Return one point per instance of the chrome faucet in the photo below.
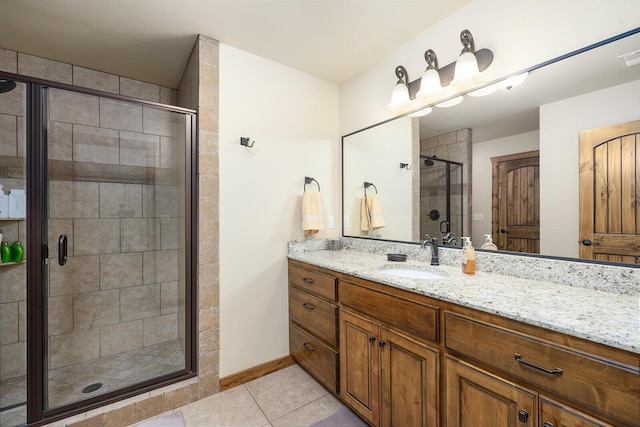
(432, 242)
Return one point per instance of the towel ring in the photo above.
(308, 180)
(369, 184)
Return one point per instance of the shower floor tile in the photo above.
(113, 372)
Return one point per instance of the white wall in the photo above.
(293, 118)
(559, 211)
(520, 34)
(482, 176)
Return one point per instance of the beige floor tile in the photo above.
(284, 391)
(232, 408)
(310, 413)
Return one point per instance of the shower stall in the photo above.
(441, 199)
(101, 306)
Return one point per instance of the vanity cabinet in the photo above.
(399, 358)
(313, 324)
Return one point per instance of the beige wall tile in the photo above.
(160, 329)
(121, 417)
(209, 340)
(8, 135)
(169, 297)
(162, 122)
(14, 283)
(208, 318)
(208, 385)
(140, 234)
(160, 200)
(149, 407)
(9, 323)
(116, 339)
(69, 199)
(95, 421)
(169, 233)
(60, 141)
(73, 348)
(120, 270)
(120, 200)
(96, 145)
(14, 360)
(175, 398)
(140, 90)
(60, 315)
(208, 363)
(168, 96)
(170, 156)
(22, 137)
(96, 236)
(138, 302)
(22, 320)
(35, 66)
(93, 79)
(94, 309)
(14, 102)
(160, 266)
(8, 61)
(74, 108)
(79, 275)
(120, 115)
(139, 149)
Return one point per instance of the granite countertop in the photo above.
(605, 317)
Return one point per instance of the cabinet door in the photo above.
(409, 382)
(359, 365)
(476, 398)
(554, 414)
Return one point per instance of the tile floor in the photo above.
(286, 398)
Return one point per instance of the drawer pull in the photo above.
(547, 424)
(554, 371)
(372, 339)
(308, 347)
(309, 307)
(308, 281)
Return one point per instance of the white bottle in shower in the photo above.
(4, 204)
(17, 204)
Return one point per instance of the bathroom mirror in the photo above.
(585, 89)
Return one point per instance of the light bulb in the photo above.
(399, 97)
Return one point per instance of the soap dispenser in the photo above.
(4, 204)
(468, 257)
(488, 243)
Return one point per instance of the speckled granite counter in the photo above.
(604, 317)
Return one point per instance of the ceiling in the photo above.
(151, 40)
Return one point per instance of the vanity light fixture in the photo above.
(422, 112)
(512, 82)
(467, 71)
(430, 85)
(400, 99)
(450, 103)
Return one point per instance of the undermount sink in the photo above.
(411, 274)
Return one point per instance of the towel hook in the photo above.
(308, 180)
(405, 166)
(244, 140)
(369, 184)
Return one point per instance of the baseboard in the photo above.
(255, 372)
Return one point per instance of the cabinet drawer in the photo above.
(314, 282)
(313, 314)
(602, 385)
(316, 358)
(415, 318)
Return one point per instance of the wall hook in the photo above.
(245, 141)
(406, 166)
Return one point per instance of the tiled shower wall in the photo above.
(119, 289)
(454, 146)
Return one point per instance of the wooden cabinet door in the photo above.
(409, 382)
(360, 366)
(476, 398)
(554, 414)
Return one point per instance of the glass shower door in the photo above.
(115, 275)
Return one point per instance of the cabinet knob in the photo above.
(308, 347)
(372, 338)
(523, 416)
(382, 343)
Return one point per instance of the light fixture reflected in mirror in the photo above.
(487, 90)
(400, 99)
(512, 82)
(422, 112)
(467, 71)
(450, 103)
(430, 85)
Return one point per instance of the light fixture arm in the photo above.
(467, 42)
(402, 75)
(432, 59)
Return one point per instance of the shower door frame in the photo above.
(36, 182)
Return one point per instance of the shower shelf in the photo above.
(7, 264)
(13, 219)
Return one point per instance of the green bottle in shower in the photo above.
(5, 252)
(17, 252)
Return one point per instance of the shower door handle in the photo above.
(62, 249)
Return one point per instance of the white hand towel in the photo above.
(312, 220)
(371, 213)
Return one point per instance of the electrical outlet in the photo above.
(478, 217)
(346, 221)
(332, 221)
